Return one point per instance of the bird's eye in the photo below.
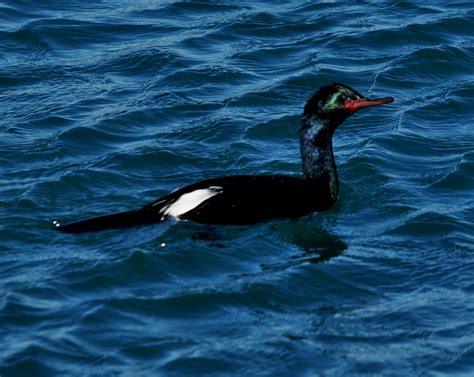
(350, 99)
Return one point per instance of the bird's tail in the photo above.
(113, 221)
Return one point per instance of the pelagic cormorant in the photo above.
(248, 199)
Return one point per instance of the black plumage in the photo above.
(249, 199)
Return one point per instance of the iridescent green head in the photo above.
(334, 103)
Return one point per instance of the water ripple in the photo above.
(106, 107)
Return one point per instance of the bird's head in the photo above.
(333, 104)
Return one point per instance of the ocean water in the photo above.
(107, 105)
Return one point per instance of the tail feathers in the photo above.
(113, 221)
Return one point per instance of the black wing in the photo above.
(226, 200)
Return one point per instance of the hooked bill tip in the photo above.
(388, 99)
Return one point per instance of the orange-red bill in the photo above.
(365, 102)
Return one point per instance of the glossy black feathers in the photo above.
(247, 199)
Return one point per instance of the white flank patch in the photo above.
(190, 200)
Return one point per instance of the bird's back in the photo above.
(245, 199)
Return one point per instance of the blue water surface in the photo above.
(107, 105)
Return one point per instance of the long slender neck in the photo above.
(317, 154)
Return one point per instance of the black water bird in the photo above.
(248, 199)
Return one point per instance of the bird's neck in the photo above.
(317, 154)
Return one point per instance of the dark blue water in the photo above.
(106, 105)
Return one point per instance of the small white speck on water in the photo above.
(163, 244)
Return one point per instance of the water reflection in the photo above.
(314, 244)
